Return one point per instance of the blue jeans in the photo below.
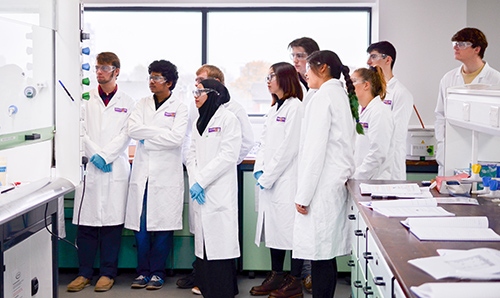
(108, 239)
(152, 247)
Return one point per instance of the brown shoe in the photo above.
(291, 288)
(78, 284)
(272, 282)
(104, 284)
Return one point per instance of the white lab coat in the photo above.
(106, 134)
(401, 102)
(454, 78)
(326, 162)
(247, 138)
(158, 161)
(277, 159)
(211, 162)
(374, 151)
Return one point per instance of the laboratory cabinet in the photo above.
(382, 247)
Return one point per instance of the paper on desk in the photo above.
(413, 211)
(457, 290)
(457, 200)
(409, 189)
(478, 264)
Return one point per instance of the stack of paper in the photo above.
(478, 264)
(407, 208)
(465, 228)
(458, 290)
(409, 190)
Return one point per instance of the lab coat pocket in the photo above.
(120, 169)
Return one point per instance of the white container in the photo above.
(420, 144)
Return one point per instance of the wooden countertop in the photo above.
(399, 246)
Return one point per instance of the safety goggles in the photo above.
(461, 45)
(356, 81)
(299, 56)
(199, 79)
(198, 92)
(105, 68)
(156, 79)
(376, 56)
(270, 77)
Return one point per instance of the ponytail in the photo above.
(353, 99)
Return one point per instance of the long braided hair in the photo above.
(319, 58)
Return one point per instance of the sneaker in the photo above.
(308, 285)
(290, 288)
(140, 282)
(155, 283)
(187, 282)
(196, 291)
(78, 284)
(104, 284)
(272, 282)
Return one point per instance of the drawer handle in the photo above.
(351, 217)
(367, 290)
(379, 281)
(368, 256)
(357, 284)
(351, 263)
(358, 233)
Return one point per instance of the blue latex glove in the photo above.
(142, 141)
(200, 198)
(197, 193)
(258, 174)
(261, 187)
(98, 161)
(107, 168)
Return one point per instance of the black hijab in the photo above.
(210, 106)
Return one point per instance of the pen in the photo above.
(67, 92)
(384, 197)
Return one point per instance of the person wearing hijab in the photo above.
(211, 164)
(276, 172)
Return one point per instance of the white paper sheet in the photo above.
(458, 290)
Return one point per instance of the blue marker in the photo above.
(67, 92)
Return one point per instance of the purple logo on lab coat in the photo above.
(214, 129)
(121, 110)
(167, 114)
(387, 102)
(281, 119)
(364, 124)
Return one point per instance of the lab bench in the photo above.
(382, 247)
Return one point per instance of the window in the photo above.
(243, 42)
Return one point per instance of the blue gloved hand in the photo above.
(142, 141)
(258, 174)
(200, 198)
(195, 190)
(261, 187)
(107, 168)
(98, 161)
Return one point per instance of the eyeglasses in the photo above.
(270, 77)
(461, 45)
(199, 79)
(376, 56)
(156, 79)
(308, 65)
(299, 56)
(198, 92)
(105, 68)
(356, 81)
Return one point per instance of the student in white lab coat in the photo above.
(156, 192)
(374, 151)
(100, 214)
(383, 54)
(326, 162)
(469, 45)
(211, 164)
(276, 172)
(207, 71)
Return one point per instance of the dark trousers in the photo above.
(89, 240)
(278, 261)
(152, 247)
(216, 278)
(324, 278)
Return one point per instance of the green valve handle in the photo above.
(86, 95)
(86, 81)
